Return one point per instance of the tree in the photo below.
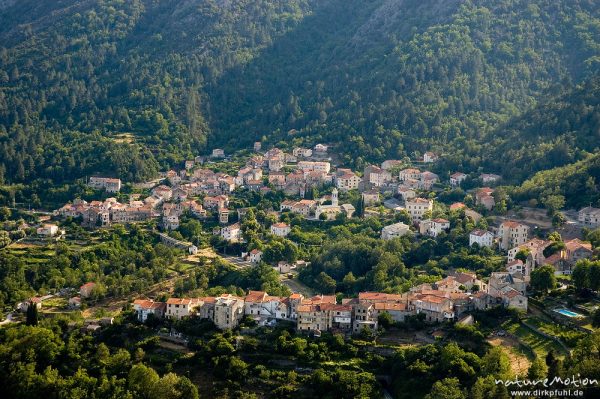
(555, 237)
(290, 251)
(385, 319)
(496, 363)
(593, 236)
(171, 386)
(191, 229)
(4, 239)
(232, 368)
(554, 365)
(32, 314)
(349, 280)
(543, 279)
(448, 388)
(142, 380)
(102, 354)
(360, 207)
(580, 275)
(596, 318)
(558, 219)
(5, 214)
(325, 283)
(522, 255)
(554, 203)
(537, 370)
(594, 275)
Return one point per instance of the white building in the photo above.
(589, 217)
(347, 181)
(280, 229)
(481, 237)
(417, 207)
(406, 193)
(302, 152)
(409, 174)
(255, 256)
(376, 176)
(170, 221)
(433, 227)
(321, 148)
(146, 307)
(218, 153)
(489, 177)
(512, 234)
(457, 178)
(232, 233)
(430, 157)
(314, 166)
(47, 230)
(109, 184)
(228, 311)
(394, 230)
(178, 308)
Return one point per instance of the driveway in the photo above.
(8, 320)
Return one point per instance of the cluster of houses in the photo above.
(294, 173)
(85, 291)
(104, 213)
(445, 300)
(326, 207)
(562, 261)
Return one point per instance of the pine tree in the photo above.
(32, 314)
(360, 207)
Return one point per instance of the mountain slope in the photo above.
(417, 82)
(125, 69)
(385, 78)
(560, 130)
(577, 183)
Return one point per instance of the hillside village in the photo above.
(396, 187)
(445, 300)
(247, 235)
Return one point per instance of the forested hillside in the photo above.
(131, 71)
(84, 82)
(560, 130)
(395, 77)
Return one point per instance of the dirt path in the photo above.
(519, 363)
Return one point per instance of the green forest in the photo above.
(126, 88)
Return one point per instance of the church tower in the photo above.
(334, 197)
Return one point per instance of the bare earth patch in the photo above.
(519, 363)
(22, 245)
(207, 253)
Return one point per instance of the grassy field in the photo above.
(31, 254)
(57, 302)
(538, 343)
